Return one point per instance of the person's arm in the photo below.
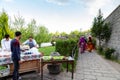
(11, 47)
(3, 45)
(26, 42)
(35, 43)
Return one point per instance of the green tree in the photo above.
(42, 35)
(18, 23)
(100, 29)
(57, 34)
(75, 34)
(63, 34)
(4, 27)
(32, 27)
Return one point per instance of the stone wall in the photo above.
(114, 20)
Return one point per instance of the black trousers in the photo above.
(16, 70)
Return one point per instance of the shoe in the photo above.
(20, 78)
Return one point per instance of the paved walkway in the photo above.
(92, 67)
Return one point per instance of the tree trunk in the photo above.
(99, 42)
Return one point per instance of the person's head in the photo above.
(18, 34)
(30, 38)
(82, 36)
(7, 37)
(90, 38)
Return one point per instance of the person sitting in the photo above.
(31, 42)
(5, 43)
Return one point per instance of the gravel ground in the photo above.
(46, 76)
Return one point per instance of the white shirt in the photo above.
(5, 44)
(27, 42)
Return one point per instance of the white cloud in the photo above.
(8, 0)
(59, 2)
(94, 5)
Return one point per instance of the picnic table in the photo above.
(30, 62)
(70, 61)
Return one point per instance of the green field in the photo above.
(47, 50)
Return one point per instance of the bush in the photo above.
(109, 52)
(100, 50)
(65, 47)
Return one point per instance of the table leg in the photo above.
(38, 66)
(67, 66)
(72, 69)
(41, 70)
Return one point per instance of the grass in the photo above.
(47, 50)
(113, 58)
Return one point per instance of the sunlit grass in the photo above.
(47, 50)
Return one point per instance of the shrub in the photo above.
(65, 47)
(109, 52)
(100, 50)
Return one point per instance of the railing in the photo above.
(74, 51)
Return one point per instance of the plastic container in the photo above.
(5, 72)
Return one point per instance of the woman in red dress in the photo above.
(89, 44)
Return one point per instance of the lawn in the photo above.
(47, 50)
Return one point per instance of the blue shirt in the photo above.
(32, 43)
(15, 49)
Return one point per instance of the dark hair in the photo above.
(7, 36)
(17, 33)
(31, 37)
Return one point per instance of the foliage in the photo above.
(57, 34)
(40, 33)
(106, 32)
(100, 29)
(94, 42)
(109, 52)
(47, 50)
(75, 33)
(63, 34)
(18, 23)
(65, 47)
(100, 50)
(4, 27)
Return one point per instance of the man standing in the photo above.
(5, 43)
(15, 49)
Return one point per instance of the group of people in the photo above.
(5, 43)
(13, 45)
(85, 44)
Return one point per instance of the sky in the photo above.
(59, 15)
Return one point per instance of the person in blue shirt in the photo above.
(15, 49)
(31, 42)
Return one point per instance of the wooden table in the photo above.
(27, 66)
(57, 61)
